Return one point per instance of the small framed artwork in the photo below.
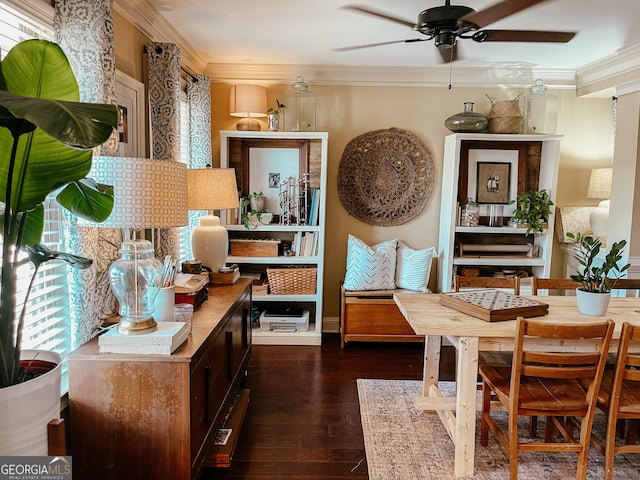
(493, 182)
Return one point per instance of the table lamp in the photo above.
(211, 189)
(249, 102)
(600, 187)
(147, 194)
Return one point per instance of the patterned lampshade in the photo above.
(147, 193)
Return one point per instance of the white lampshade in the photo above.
(249, 102)
(600, 187)
(600, 183)
(147, 193)
(211, 189)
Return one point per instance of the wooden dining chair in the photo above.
(619, 399)
(511, 283)
(632, 285)
(540, 283)
(543, 381)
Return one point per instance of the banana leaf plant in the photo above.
(46, 136)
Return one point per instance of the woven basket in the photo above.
(505, 116)
(292, 281)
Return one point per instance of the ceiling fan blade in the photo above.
(497, 12)
(380, 14)
(522, 36)
(356, 47)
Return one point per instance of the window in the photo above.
(184, 246)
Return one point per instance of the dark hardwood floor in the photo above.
(303, 420)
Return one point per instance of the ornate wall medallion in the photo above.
(385, 177)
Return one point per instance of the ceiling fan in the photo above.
(447, 23)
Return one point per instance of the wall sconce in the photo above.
(211, 189)
(600, 188)
(249, 102)
(147, 194)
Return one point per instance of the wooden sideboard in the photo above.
(155, 416)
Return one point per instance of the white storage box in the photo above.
(284, 323)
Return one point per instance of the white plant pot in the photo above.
(27, 408)
(594, 304)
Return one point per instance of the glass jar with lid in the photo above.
(540, 110)
(470, 214)
(300, 110)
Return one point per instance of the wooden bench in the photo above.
(373, 316)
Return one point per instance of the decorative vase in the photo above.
(274, 122)
(592, 303)
(27, 408)
(467, 121)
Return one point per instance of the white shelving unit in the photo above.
(236, 148)
(539, 156)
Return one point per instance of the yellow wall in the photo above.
(346, 112)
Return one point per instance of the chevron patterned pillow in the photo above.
(370, 268)
(413, 268)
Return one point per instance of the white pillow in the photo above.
(370, 268)
(413, 268)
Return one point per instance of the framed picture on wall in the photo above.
(493, 181)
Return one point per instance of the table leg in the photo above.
(465, 423)
(431, 363)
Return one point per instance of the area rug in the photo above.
(403, 443)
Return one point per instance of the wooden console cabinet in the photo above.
(155, 416)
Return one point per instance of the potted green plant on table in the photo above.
(45, 145)
(597, 278)
(533, 209)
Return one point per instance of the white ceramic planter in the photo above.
(27, 408)
(594, 304)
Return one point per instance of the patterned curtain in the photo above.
(199, 102)
(199, 99)
(163, 67)
(84, 30)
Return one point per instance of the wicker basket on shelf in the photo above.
(292, 281)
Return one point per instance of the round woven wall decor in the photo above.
(385, 177)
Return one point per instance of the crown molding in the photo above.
(484, 77)
(142, 15)
(607, 69)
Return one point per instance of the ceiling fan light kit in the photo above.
(445, 24)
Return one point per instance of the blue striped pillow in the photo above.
(370, 268)
(413, 268)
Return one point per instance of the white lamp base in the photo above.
(210, 242)
(599, 219)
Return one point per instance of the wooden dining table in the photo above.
(470, 335)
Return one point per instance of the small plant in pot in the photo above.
(532, 210)
(257, 203)
(597, 278)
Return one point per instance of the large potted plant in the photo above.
(597, 278)
(46, 137)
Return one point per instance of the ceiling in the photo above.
(306, 32)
